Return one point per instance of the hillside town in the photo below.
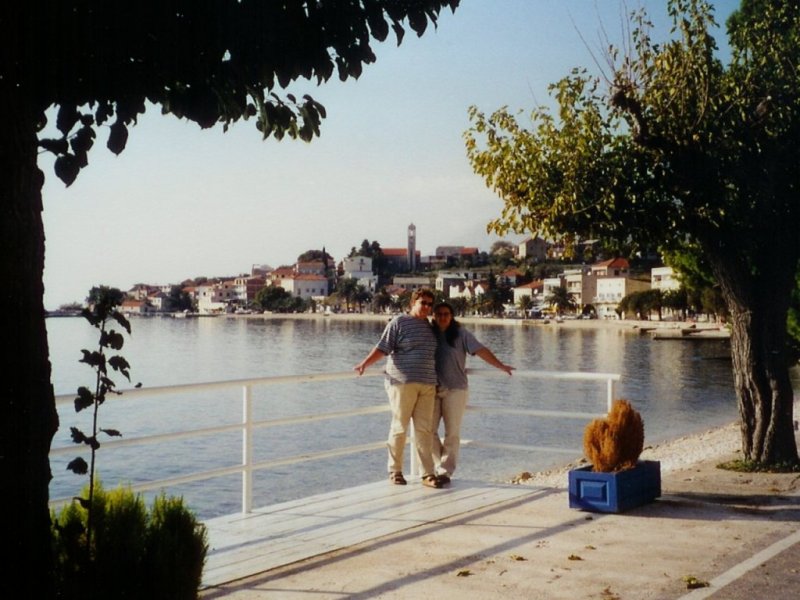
(533, 280)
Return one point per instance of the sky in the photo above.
(183, 202)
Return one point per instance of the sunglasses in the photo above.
(424, 303)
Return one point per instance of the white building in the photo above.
(581, 285)
(446, 280)
(410, 283)
(215, 297)
(551, 283)
(611, 291)
(663, 278)
(307, 287)
(533, 290)
(360, 269)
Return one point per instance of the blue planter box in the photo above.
(615, 492)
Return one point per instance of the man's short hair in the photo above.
(421, 293)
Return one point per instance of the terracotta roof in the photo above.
(613, 262)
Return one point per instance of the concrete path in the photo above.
(738, 535)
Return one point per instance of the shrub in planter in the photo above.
(134, 553)
(616, 480)
(616, 442)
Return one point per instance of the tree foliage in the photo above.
(209, 62)
(560, 299)
(681, 152)
(315, 256)
(642, 304)
(276, 299)
(97, 66)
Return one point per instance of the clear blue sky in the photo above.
(182, 202)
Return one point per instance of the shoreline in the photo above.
(718, 444)
(638, 327)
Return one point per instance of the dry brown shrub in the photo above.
(616, 442)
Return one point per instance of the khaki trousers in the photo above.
(411, 402)
(449, 408)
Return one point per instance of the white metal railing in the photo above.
(248, 425)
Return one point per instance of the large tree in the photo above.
(97, 66)
(681, 151)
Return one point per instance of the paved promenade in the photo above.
(737, 535)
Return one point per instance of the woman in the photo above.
(453, 345)
(410, 345)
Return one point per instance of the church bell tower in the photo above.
(412, 248)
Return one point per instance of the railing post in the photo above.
(610, 386)
(247, 450)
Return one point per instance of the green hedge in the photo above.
(135, 553)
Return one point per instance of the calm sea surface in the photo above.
(680, 387)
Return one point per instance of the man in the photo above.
(410, 345)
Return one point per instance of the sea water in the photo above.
(680, 387)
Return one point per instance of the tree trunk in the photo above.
(28, 419)
(759, 308)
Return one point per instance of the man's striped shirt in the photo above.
(410, 346)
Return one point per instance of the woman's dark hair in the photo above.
(451, 333)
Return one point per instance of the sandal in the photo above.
(396, 477)
(431, 481)
(443, 479)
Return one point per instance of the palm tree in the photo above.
(524, 304)
(347, 288)
(561, 300)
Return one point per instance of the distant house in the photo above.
(248, 287)
(534, 248)
(581, 285)
(136, 307)
(316, 267)
(610, 292)
(445, 252)
(410, 283)
(158, 301)
(510, 277)
(469, 290)
(306, 286)
(615, 267)
(360, 269)
(533, 290)
(445, 281)
(663, 278)
(215, 297)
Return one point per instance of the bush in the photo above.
(134, 554)
(616, 442)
